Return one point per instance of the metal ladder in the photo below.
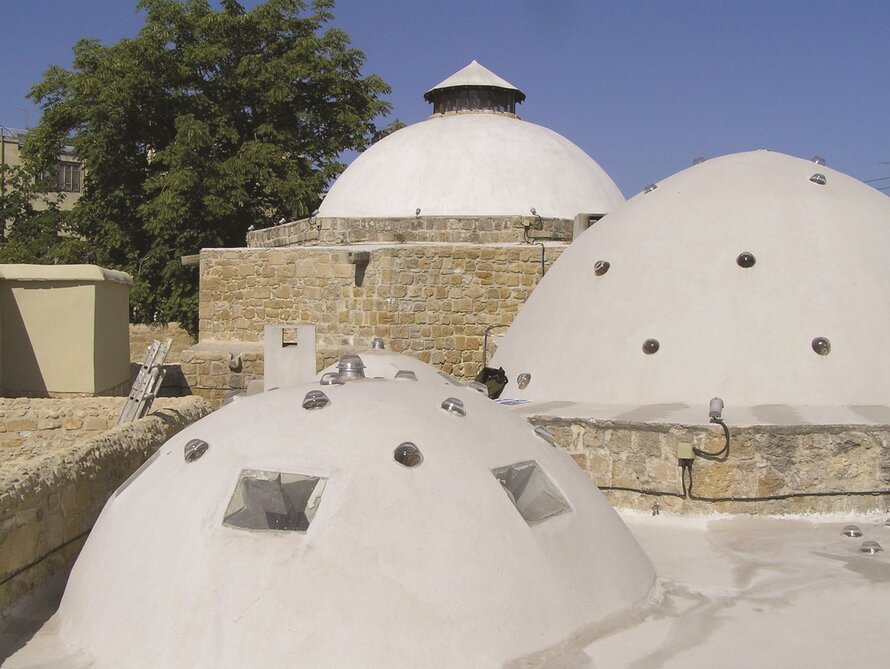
(147, 383)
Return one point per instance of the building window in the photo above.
(68, 178)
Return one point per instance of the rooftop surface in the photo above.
(754, 592)
(732, 592)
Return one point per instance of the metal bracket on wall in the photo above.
(147, 383)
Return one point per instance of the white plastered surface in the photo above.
(742, 334)
(472, 164)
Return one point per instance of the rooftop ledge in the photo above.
(63, 273)
(697, 414)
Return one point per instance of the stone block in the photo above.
(95, 423)
(21, 424)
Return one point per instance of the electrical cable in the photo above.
(643, 491)
(34, 563)
(688, 494)
(780, 496)
(723, 453)
(721, 456)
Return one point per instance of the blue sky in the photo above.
(643, 87)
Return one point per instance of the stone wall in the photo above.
(51, 493)
(213, 370)
(449, 229)
(764, 461)
(431, 301)
(35, 422)
(141, 337)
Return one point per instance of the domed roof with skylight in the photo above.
(371, 522)
(473, 157)
(756, 277)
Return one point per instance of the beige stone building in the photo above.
(431, 239)
(68, 176)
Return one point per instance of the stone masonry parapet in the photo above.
(779, 462)
(466, 229)
(50, 499)
(33, 422)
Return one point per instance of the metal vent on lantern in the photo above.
(351, 367)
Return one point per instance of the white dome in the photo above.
(387, 565)
(471, 164)
(744, 334)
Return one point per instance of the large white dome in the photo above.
(676, 276)
(472, 164)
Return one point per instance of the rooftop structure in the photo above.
(474, 88)
(344, 523)
(424, 240)
(63, 330)
(472, 157)
(756, 277)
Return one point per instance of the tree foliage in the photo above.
(35, 230)
(206, 123)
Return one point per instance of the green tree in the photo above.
(35, 230)
(206, 123)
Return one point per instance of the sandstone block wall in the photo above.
(51, 493)
(431, 301)
(141, 337)
(764, 461)
(466, 229)
(211, 372)
(36, 422)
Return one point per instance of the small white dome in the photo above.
(472, 163)
(805, 324)
(316, 536)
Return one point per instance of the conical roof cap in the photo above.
(474, 74)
